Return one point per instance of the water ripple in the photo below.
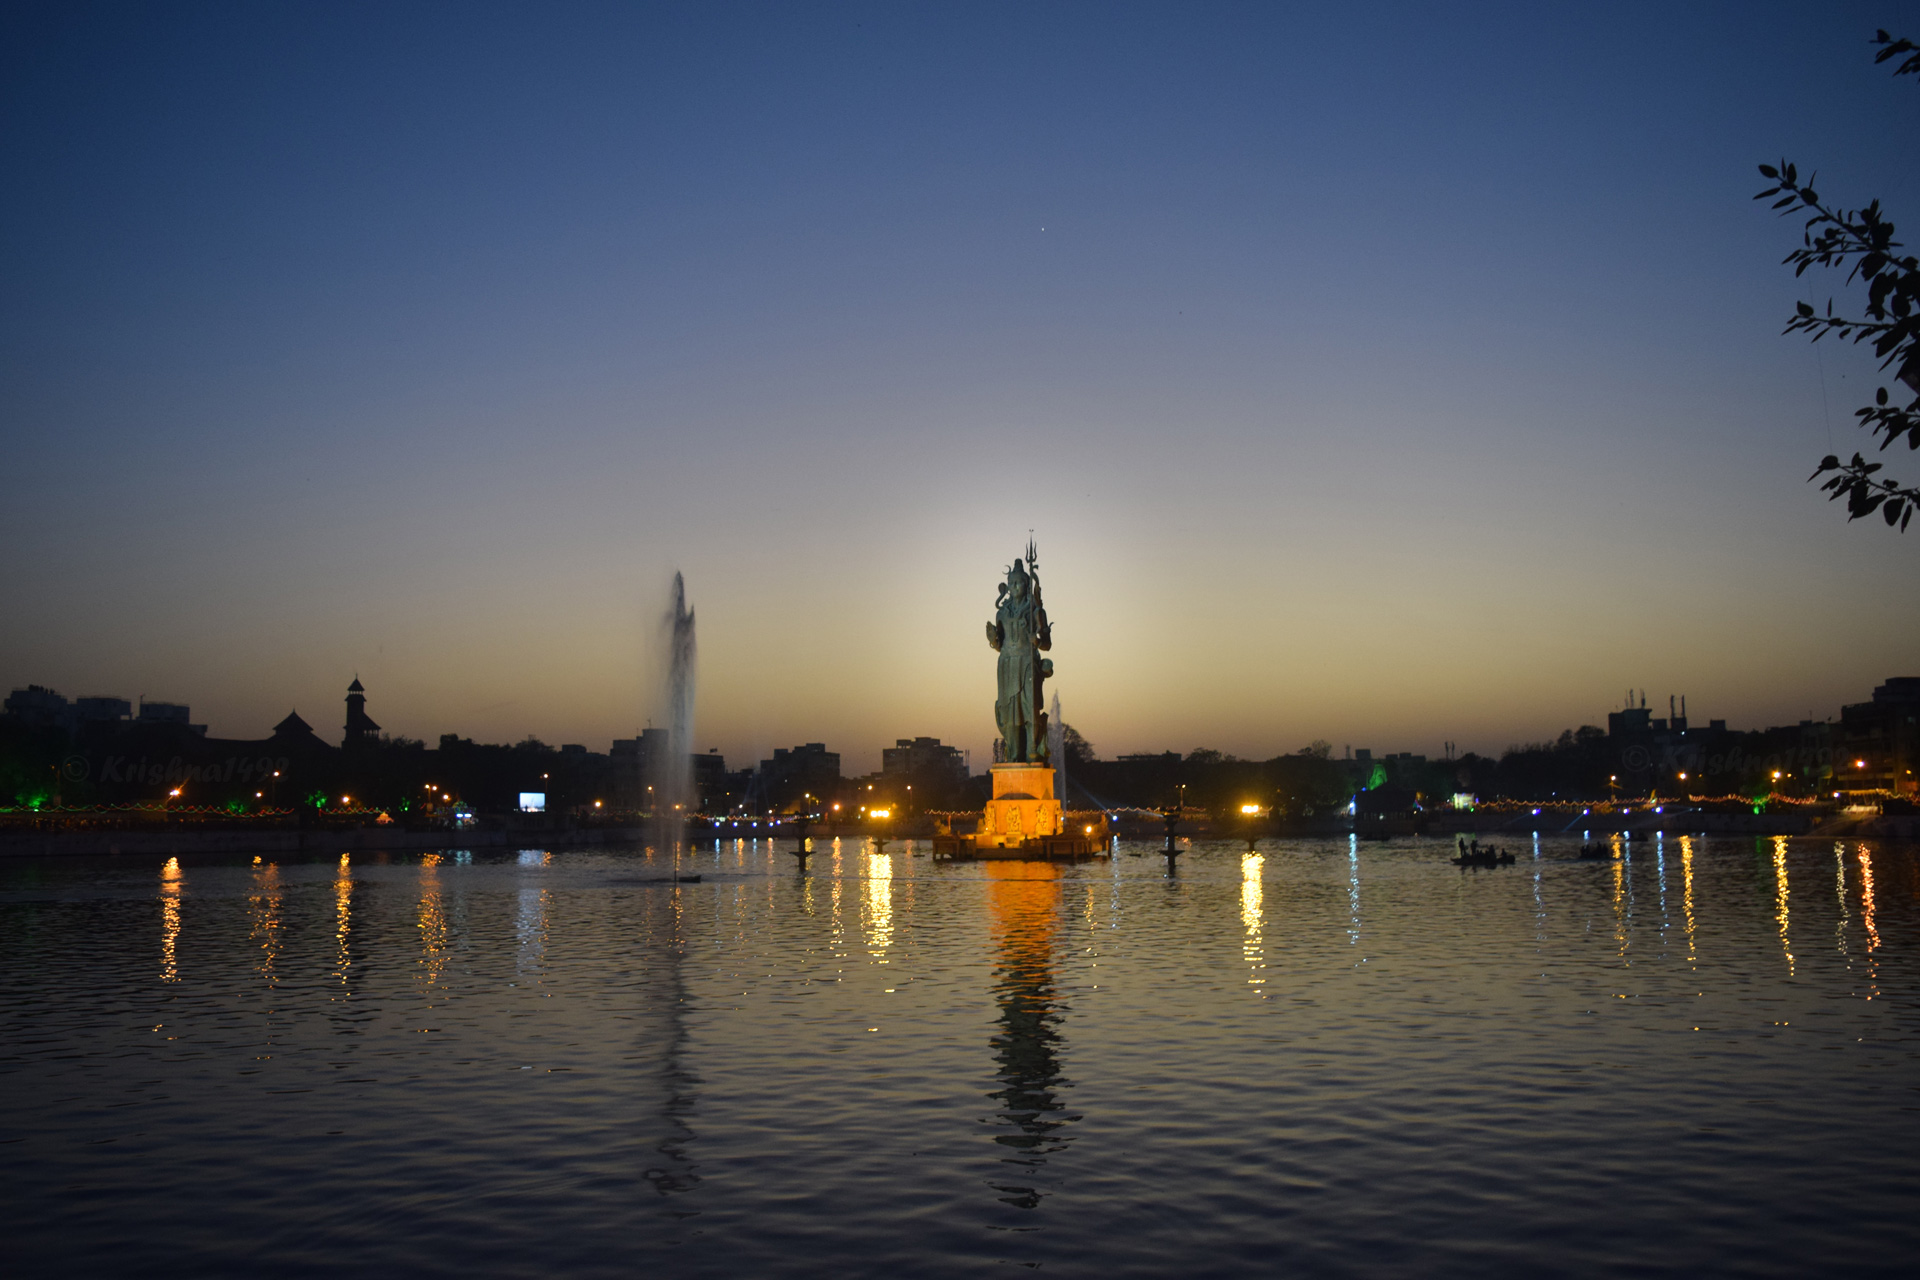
(1325, 1057)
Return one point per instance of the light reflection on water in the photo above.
(1781, 895)
(171, 882)
(1686, 891)
(561, 1062)
(263, 913)
(1252, 891)
(879, 905)
(343, 919)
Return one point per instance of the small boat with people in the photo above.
(1472, 855)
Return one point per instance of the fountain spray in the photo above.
(671, 770)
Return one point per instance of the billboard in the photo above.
(533, 802)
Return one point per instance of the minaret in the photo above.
(361, 730)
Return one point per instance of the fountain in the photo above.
(670, 772)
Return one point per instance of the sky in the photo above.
(1390, 375)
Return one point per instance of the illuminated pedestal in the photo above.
(1023, 820)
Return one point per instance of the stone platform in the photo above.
(1022, 820)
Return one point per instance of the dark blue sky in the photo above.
(1401, 372)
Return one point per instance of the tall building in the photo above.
(99, 710)
(631, 761)
(1877, 742)
(39, 707)
(936, 772)
(168, 713)
(361, 730)
(795, 773)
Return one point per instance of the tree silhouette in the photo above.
(1861, 240)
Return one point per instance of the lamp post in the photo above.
(1174, 815)
(1250, 817)
(804, 848)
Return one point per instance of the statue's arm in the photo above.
(1043, 634)
(996, 635)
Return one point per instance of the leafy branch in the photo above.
(1863, 493)
(1862, 242)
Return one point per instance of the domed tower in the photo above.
(361, 730)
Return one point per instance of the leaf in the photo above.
(1891, 512)
(1768, 171)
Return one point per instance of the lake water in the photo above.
(1326, 1059)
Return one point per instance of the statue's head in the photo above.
(1017, 581)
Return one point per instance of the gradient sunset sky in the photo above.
(1384, 374)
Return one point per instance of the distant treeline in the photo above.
(145, 763)
(1581, 764)
(141, 763)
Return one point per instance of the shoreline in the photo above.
(111, 843)
(83, 843)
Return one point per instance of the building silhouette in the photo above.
(1878, 741)
(937, 773)
(361, 730)
(794, 773)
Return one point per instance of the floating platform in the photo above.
(1023, 821)
(1061, 848)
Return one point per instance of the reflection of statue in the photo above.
(1032, 1119)
(1019, 631)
